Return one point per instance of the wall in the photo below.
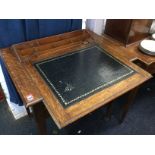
(96, 25)
(152, 29)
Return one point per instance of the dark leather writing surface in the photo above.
(76, 76)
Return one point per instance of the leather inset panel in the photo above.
(74, 77)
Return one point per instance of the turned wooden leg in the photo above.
(130, 99)
(40, 117)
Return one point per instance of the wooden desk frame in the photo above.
(20, 57)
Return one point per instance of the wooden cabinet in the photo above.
(128, 30)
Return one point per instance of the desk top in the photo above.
(76, 76)
(95, 61)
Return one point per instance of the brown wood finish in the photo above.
(60, 50)
(46, 40)
(33, 47)
(131, 96)
(118, 29)
(130, 52)
(23, 82)
(24, 72)
(128, 30)
(139, 30)
(40, 114)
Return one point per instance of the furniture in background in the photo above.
(126, 35)
(128, 31)
(39, 92)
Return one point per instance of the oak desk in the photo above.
(30, 63)
(131, 52)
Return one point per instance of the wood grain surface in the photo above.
(19, 60)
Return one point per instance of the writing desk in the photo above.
(72, 74)
(131, 52)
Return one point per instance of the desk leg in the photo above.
(28, 112)
(130, 99)
(39, 112)
(109, 111)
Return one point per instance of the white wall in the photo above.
(96, 25)
(152, 29)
